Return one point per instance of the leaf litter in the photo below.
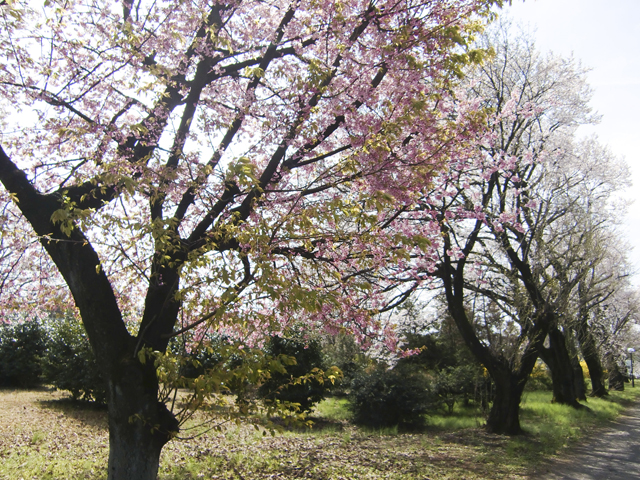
(45, 435)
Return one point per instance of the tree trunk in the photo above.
(504, 417)
(578, 373)
(508, 375)
(562, 374)
(139, 425)
(596, 374)
(592, 359)
(616, 376)
(578, 379)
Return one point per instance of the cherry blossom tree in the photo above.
(220, 166)
(497, 213)
(605, 280)
(582, 246)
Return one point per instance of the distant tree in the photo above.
(296, 382)
(22, 346)
(497, 217)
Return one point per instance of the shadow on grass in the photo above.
(88, 413)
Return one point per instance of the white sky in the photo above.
(605, 36)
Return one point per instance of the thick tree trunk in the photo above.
(578, 373)
(139, 425)
(562, 373)
(578, 379)
(504, 417)
(592, 359)
(616, 376)
(596, 374)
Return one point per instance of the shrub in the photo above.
(198, 357)
(342, 351)
(457, 375)
(69, 362)
(385, 398)
(282, 384)
(22, 346)
(454, 384)
(539, 379)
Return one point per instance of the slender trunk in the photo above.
(562, 374)
(139, 425)
(578, 379)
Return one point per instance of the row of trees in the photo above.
(531, 263)
(54, 352)
(245, 168)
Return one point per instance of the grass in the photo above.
(44, 436)
(553, 427)
(336, 409)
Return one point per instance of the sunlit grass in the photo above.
(556, 426)
(451, 447)
(335, 409)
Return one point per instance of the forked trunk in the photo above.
(592, 359)
(139, 425)
(562, 373)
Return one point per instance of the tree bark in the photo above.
(504, 417)
(616, 376)
(139, 425)
(562, 373)
(592, 359)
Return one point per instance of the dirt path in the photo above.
(613, 455)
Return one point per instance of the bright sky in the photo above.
(604, 36)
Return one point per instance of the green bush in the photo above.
(199, 357)
(69, 362)
(342, 351)
(385, 398)
(539, 379)
(282, 384)
(456, 374)
(22, 346)
(454, 384)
